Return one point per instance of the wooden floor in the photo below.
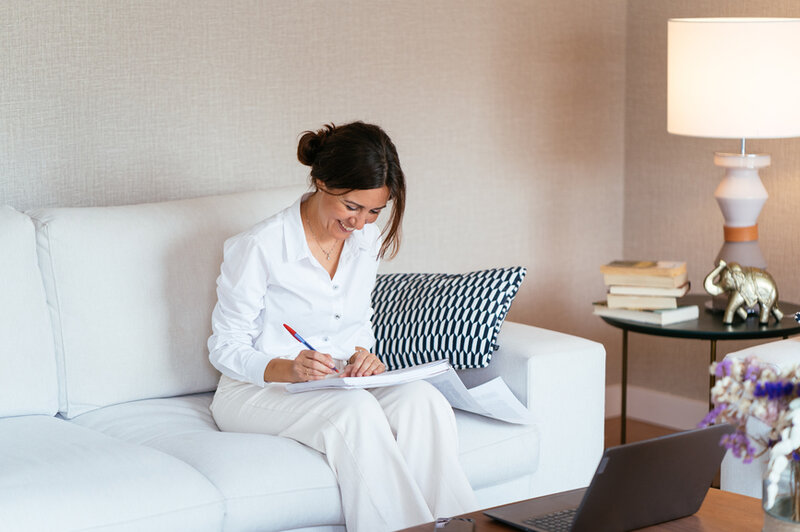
(637, 431)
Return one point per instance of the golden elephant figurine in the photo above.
(745, 287)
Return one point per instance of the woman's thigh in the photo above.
(242, 407)
(418, 399)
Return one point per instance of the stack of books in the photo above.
(646, 291)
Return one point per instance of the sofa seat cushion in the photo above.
(493, 452)
(57, 476)
(264, 479)
(271, 479)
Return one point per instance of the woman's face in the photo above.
(341, 214)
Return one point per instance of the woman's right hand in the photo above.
(311, 366)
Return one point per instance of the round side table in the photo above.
(707, 326)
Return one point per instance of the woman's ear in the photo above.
(319, 185)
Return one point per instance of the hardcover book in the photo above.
(656, 281)
(649, 290)
(641, 302)
(657, 317)
(658, 268)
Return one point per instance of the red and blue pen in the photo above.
(303, 341)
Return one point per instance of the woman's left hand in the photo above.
(362, 364)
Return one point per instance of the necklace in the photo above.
(325, 251)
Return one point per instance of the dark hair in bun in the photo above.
(357, 156)
(311, 143)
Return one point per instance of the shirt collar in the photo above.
(294, 237)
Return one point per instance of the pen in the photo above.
(303, 341)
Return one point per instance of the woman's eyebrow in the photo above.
(361, 206)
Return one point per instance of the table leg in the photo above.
(712, 379)
(624, 407)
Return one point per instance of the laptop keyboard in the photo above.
(560, 521)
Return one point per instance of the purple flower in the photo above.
(774, 390)
(724, 368)
(739, 444)
(712, 415)
(752, 372)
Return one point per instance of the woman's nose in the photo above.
(358, 221)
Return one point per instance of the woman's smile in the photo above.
(345, 228)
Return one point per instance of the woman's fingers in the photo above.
(322, 363)
(365, 363)
(361, 363)
(312, 365)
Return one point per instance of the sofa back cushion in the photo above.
(131, 290)
(27, 362)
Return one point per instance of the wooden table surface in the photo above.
(722, 511)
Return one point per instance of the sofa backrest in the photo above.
(131, 290)
(27, 362)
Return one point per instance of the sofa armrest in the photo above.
(561, 378)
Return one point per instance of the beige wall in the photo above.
(670, 211)
(508, 116)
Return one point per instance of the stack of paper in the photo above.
(492, 399)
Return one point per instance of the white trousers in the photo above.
(394, 450)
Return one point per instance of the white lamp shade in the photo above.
(733, 77)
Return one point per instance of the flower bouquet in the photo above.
(749, 389)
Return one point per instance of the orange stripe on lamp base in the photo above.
(741, 234)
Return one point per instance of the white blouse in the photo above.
(269, 277)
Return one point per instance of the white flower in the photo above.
(777, 463)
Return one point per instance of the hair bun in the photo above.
(311, 142)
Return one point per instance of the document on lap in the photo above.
(492, 399)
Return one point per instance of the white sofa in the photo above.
(105, 385)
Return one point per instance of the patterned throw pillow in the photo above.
(421, 317)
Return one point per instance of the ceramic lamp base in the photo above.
(740, 196)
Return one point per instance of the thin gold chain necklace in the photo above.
(326, 252)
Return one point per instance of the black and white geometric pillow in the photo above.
(421, 317)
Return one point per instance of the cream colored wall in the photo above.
(670, 211)
(508, 116)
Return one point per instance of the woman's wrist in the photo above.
(278, 370)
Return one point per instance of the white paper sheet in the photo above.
(491, 399)
(388, 378)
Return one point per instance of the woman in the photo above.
(313, 266)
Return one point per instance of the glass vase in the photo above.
(784, 515)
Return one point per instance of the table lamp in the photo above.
(735, 78)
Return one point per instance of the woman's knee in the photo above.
(425, 393)
(418, 397)
(359, 405)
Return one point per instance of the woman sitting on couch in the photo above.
(313, 266)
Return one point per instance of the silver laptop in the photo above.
(635, 485)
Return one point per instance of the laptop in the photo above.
(635, 485)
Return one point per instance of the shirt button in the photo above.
(336, 316)
(336, 287)
(325, 339)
